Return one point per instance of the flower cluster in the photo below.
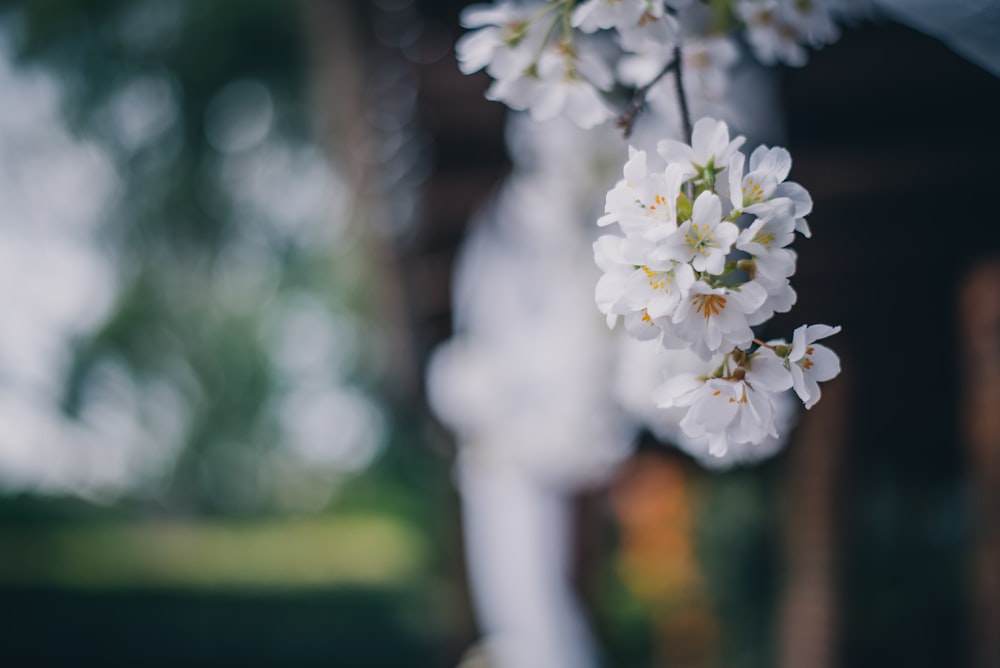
(565, 56)
(703, 258)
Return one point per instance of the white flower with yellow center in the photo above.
(705, 240)
(713, 319)
(644, 203)
(641, 289)
(734, 409)
(747, 190)
(764, 188)
(659, 286)
(766, 240)
(811, 363)
(642, 327)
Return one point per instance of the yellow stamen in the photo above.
(708, 305)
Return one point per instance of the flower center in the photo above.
(708, 305)
(647, 17)
(765, 239)
(659, 280)
(700, 238)
(752, 192)
(806, 362)
(659, 209)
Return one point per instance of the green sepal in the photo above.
(684, 208)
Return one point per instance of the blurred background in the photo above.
(227, 229)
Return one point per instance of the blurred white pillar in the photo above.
(517, 536)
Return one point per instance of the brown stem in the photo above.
(764, 345)
(681, 95)
(638, 103)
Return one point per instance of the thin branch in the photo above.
(681, 95)
(638, 103)
(764, 345)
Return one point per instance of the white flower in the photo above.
(772, 39)
(641, 326)
(706, 61)
(813, 19)
(780, 299)
(610, 292)
(715, 319)
(659, 286)
(729, 410)
(505, 42)
(705, 240)
(622, 259)
(776, 162)
(594, 15)
(776, 29)
(766, 240)
(644, 204)
(751, 189)
(654, 29)
(634, 283)
(764, 187)
(746, 452)
(811, 363)
(676, 277)
(710, 148)
(566, 79)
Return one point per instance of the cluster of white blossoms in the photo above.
(703, 258)
(564, 57)
(704, 252)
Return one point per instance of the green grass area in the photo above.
(362, 550)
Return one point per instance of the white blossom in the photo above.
(764, 188)
(594, 15)
(811, 363)
(566, 78)
(705, 240)
(611, 254)
(658, 286)
(716, 319)
(766, 240)
(729, 410)
(505, 40)
(644, 203)
(710, 148)
(778, 29)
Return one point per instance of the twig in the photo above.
(638, 103)
(681, 95)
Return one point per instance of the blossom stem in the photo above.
(556, 22)
(683, 104)
(681, 95)
(566, 25)
(764, 345)
(638, 102)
